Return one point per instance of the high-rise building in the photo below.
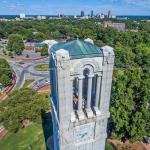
(81, 78)
(82, 13)
(109, 14)
(92, 13)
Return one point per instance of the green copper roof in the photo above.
(79, 49)
(39, 44)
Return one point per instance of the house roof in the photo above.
(39, 44)
(79, 49)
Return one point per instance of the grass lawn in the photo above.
(4, 56)
(109, 146)
(26, 139)
(27, 82)
(0, 93)
(42, 67)
(21, 63)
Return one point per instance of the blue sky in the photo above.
(73, 7)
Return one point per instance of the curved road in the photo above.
(27, 68)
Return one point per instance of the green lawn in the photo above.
(31, 137)
(27, 82)
(109, 146)
(42, 67)
(21, 63)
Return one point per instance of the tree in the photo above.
(130, 95)
(44, 51)
(39, 37)
(15, 44)
(137, 127)
(5, 72)
(21, 105)
(4, 80)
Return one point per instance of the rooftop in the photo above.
(39, 44)
(79, 49)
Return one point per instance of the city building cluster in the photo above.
(82, 15)
(98, 15)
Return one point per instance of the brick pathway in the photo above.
(8, 89)
(30, 59)
(3, 133)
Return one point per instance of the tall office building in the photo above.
(92, 13)
(81, 77)
(109, 14)
(82, 13)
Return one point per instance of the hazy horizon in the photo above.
(69, 7)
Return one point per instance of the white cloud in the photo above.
(4, 1)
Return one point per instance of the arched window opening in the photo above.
(75, 87)
(75, 93)
(86, 72)
(94, 82)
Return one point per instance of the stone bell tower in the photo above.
(81, 77)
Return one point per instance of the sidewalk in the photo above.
(30, 59)
(3, 133)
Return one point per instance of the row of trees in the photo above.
(58, 29)
(38, 31)
(5, 72)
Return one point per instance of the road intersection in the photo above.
(26, 71)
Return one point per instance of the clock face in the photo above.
(84, 132)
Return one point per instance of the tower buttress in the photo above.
(64, 82)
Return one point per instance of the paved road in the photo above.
(40, 83)
(22, 70)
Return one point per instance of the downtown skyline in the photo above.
(69, 7)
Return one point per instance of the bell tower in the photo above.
(81, 78)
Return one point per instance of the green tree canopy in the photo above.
(44, 51)
(5, 72)
(15, 44)
(131, 94)
(24, 104)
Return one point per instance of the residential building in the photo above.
(41, 17)
(34, 46)
(117, 26)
